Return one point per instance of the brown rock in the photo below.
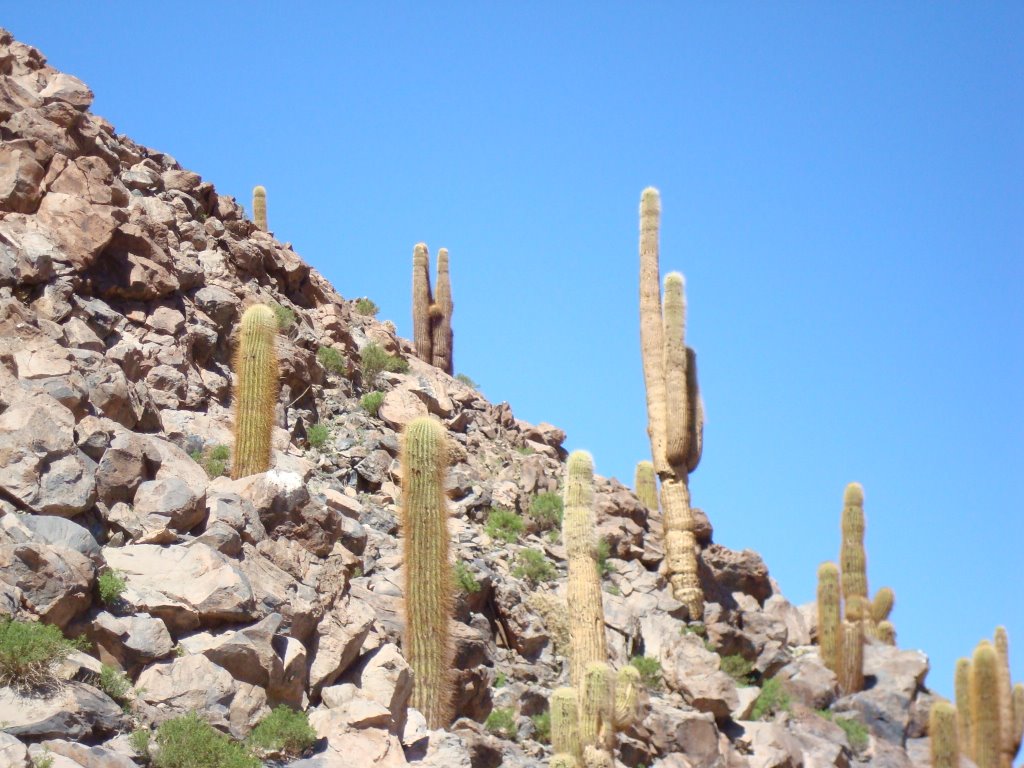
(20, 178)
(79, 229)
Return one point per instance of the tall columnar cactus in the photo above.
(962, 693)
(851, 557)
(674, 412)
(828, 615)
(586, 613)
(1002, 645)
(565, 726)
(256, 387)
(441, 316)
(421, 301)
(259, 207)
(942, 734)
(1017, 700)
(851, 658)
(428, 580)
(646, 486)
(985, 727)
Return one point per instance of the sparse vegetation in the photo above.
(332, 360)
(371, 402)
(856, 731)
(695, 628)
(30, 652)
(214, 461)
(738, 668)
(317, 435)
(504, 524)
(365, 306)
(285, 316)
(283, 730)
(44, 761)
(772, 700)
(542, 726)
(466, 380)
(533, 566)
(114, 683)
(546, 510)
(465, 579)
(525, 450)
(500, 680)
(191, 742)
(139, 741)
(650, 671)
(601, 555)
(374, 360)
(502, 723)
(111, 585)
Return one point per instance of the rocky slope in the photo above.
(122, 276)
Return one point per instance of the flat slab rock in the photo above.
(75, 711)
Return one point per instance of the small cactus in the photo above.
(882, 605)
(646, 486)
(597, 706)
(627, 694)
(886, 632)
(985, 726)
(565, 726)
(428, 575)
(256, 388)
(942, 735)
(828, 615)
(259, 207)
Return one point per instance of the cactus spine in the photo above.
(985, 727)
(942, 733)
(828, 615)
(441, 316)
(259, 207)
(255, 391)
(428, 580)
(962, 692)
(646, 486)
(674, 411)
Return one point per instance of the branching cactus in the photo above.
(428, 574)
(256, 387)
(259, 207)
(441, 316)
(851, 663)
(646, 487)
(421, 301)
(674, 412)
(985, 727)
(962, 692)
(942, 734)
(828, 615)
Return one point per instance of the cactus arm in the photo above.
(942, 733)
(651, 328)
(828, 615)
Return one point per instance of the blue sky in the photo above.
(842, 185)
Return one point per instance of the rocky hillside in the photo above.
(122, 277)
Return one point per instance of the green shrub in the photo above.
(650, 671)
(374, 360)
(465, 579)
(365, 306)
(332, 360)
(525, 450)
(738, 668)
(542, 726)
(317, 435)
(139, 741)
(371, 402)
(466, 380)
(695, 628)
(30, 653)
(214, 461)
(772, 700)
(504, 524)
(500, 680)
(283, 730)
(191, 742)
(602, 554)
(44, 761)
(111, 585)
(546, 509)
(611, 589)
(856, 732)
(533, 566)
(502, 723)
(285, 316)
(114, 683)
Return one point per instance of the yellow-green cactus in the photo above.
(441, 316)
(962, 691)
(627, 695)
(565, 724)
(942, 735)
(677, 430)
(1017, 729)
(882, 605)
(597, 707)
(852, 559)
(851, 661)
(259, 207)
(695, 420)
(886, 632)
(646, 486)
(985, 725)
(828, 615)
(428, 574)
(421, 301)
(256, 387)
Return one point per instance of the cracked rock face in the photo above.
(122, 276)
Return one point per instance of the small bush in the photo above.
(772, 700)
(285, 316)
(466, 380)
(465, 579)
(542, 726)
(283, 730)
(738, 668)
(500, 680)
(44, 761)
(332, 360)
(191, 742)
(546, 509)
(213, 461)
(502, 723)
(375, 360)
(534, 567)
(371, 402)
(856, 732)
(504, 524)
(317, 435)
(525, 450)
(366, 307)
(602, 554)
(695, 628)
(650, 671)
(111, 585)
(114, 683)
(30, 653)
(139, 741)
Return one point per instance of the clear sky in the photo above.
(842, 185)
